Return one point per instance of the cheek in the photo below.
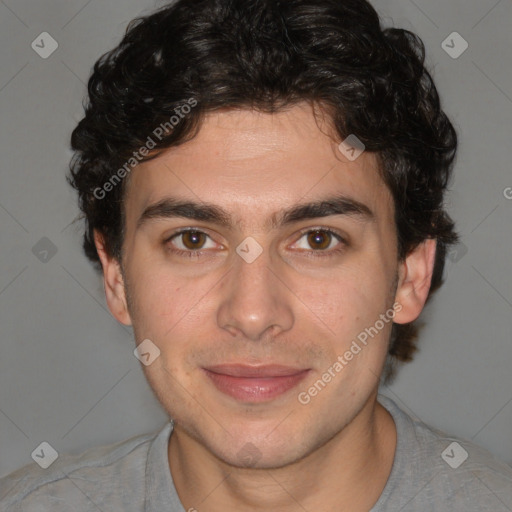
(159, 300)
(344, 305)
(344, 294)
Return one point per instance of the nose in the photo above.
(254, 303)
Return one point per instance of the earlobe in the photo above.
(113, 282)
(415, 276)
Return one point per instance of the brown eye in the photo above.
(191, 243)
(193, 239)
(319, 239)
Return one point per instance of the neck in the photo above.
(348, 473)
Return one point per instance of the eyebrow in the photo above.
(170, 207)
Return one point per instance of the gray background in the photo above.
(68, 375)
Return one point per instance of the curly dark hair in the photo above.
(268, 55)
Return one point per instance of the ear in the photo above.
(415, 276)
(113, 282)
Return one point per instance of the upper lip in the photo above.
(248, 371)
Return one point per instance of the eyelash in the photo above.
(311, 254)
(325, 253)
(181, 252)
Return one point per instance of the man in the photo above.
(263, 183)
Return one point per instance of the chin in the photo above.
(260, 454)
(254, 459)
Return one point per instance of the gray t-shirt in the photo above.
(431, 472)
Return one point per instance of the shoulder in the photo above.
(465, 471)
(439, 470)
(82, 481)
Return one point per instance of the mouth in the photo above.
(255, 384)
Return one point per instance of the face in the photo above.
(253, 300)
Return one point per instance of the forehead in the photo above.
(255, 164)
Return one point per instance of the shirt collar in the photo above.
(160, 491)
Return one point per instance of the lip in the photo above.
(255, 383)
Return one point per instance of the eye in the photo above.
(189, 241)
(320, 240)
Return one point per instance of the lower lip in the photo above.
(255, 389)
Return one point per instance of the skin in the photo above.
(286, 307)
